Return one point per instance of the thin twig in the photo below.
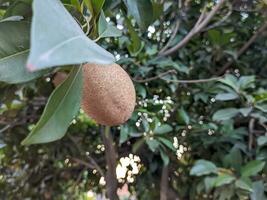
(155, 77)
(5, 128)
(244, 48)
(174, 32)
(202, 22)
(195, 81)
(161, 76)
(251, 131)
(82, 162)
(91, 159)
(219, 23)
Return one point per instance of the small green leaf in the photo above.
(224, 179)
(245, 111)
(94, 6)
(261, 107)
(19, 8)
(209, 183)
(124, 133)
(258, 191)
(203, 167)
(226, 96)
(152, 144)
(225, 114)
(244, 184)
(61, 108)
(262, 140)
(164, 157)
(164, 128)
(230, 81)
(135, 46)
(166, 142)
(183, 116)
(252, 168)
(57, 39)
(105, 29)
(137, 145)
(141, 11)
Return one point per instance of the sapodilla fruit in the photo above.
(108, 94)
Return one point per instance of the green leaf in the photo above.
(124, 133)
(244, 184)
(152, 144)
(57, 39)
(261, 107)
(14, 51)
(245, 111)
(166, 142)
(135, 46)
(94, 6)
(258, 191)
(19, 8)
(262, 140)
(62, 106)
(226, 96)
(230, 81)
(164, 128)
(105, 29)
(233, 159)
(157, 10)
(246, 82)
(183, 116)
(252, 168)
(209, 183)
(137, 145)
(164, 157)
(225, 114)
(141, 11)
(203, 167)
(223, 179)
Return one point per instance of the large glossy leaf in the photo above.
(14, 50)
(141, 10)
(57, 39)
(62, 106)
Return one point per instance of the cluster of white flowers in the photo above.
(128, 167)
(164, 112)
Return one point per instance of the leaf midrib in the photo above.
(14, 55)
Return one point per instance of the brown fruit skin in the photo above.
(108, 94)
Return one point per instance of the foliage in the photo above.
(211, 134)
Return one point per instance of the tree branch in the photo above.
(164, 183)
(244, 48)
(202, 21)
(111, 161)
